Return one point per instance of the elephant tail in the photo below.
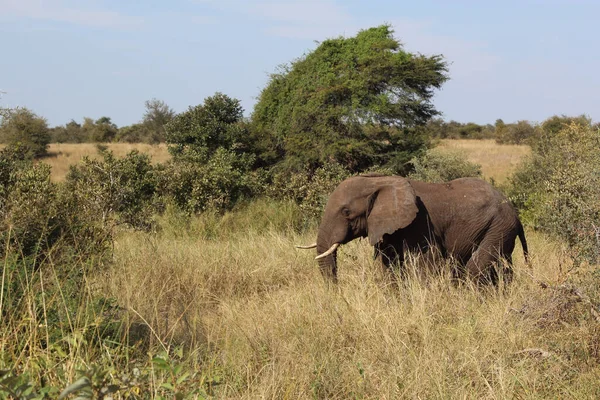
(521, 234)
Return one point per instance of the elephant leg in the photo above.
(507, 271)
(390, 257)
(481, 266)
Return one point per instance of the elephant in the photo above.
(466, 219)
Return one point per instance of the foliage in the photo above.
(215, 185)
(152, 127)
(519, 133)
(121, 188)
(135, 133)
(102, 130)
(443, 165)
(23, 127)
(197, 133)
(310, 190)
(557, 123)
(439, 129)
(558, 188)
(69, 133)
(156, 117)
(355, 101)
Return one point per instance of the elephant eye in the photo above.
(345, 212)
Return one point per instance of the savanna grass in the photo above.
(256, 313)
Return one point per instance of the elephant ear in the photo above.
(393, 206)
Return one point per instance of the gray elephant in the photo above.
(466, 219)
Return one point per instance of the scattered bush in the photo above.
(438, 165)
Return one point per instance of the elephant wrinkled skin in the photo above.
(466, 219)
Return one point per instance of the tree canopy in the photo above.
(356, 101)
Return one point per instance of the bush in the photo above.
(39, 217)
(115, 190)
(24, 128)
(217, 185)
(558, 188)
(438, 165)
(197, 133)
(309, 190)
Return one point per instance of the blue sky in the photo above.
(510, 59)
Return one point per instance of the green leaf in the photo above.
(76, 386)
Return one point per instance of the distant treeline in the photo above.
(520, 132)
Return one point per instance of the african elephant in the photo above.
(466, 219)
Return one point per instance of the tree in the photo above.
(69, 133)
(557, 123)
(135, 133)
(357, 101)
(518, 133)
(22, 127)
(158, 114)
(104, 130)
(200, 131)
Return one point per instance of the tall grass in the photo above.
(258, 314)
(225, 306)
(243, 314)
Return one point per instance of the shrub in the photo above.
(438, 165)
(557, 123)
(39, 217)
(558, 188)
(24, 128)
(309, 190)
(216, 185)
(197, 133)
(29, 211)
(115, 190)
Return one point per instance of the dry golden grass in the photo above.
(258, 313)
(497, 161)
(63, 155)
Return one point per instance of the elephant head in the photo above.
(363, 206)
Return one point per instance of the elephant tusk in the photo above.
(310, 246)
(328, 252)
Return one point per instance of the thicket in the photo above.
(558, 188)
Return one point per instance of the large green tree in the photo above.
(358, 101)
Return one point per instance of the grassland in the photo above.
(264, 321)
(62, 155)
(497, 161)
(246, 315)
